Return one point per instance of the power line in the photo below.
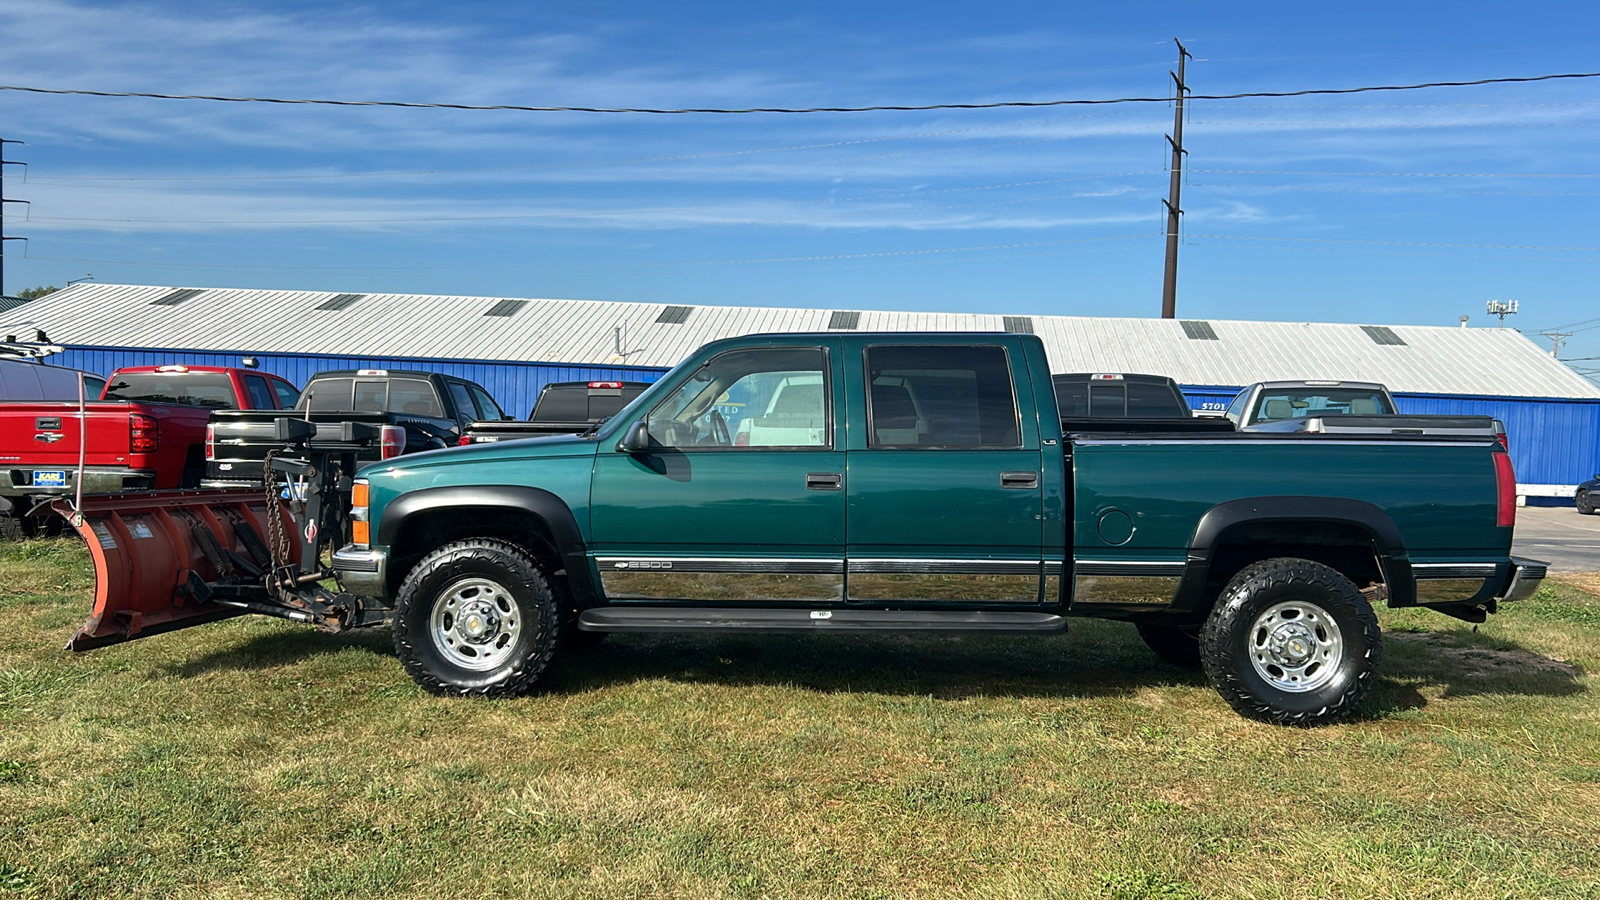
(1246, 237)
(800, 110)
(1405, 174)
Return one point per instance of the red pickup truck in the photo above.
(147, 431)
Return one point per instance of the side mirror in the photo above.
(636, 439)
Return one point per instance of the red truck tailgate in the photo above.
(46, 437)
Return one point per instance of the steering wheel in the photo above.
(719, 430)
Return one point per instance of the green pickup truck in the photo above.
(895, 483)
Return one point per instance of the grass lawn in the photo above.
(258, 758)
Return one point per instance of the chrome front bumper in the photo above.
(362, 572)
(1526, 576)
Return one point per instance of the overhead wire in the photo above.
(1007, 104)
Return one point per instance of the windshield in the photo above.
(1279, 404)
(209, 389)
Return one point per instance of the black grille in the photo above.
(177, 296)
(506, 308)
(340, 301)
(1383, 335)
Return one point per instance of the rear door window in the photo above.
(941, 397)
(462, 398)
(488, 410)
(287, 395)
(260, 393)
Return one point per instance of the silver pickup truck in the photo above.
(1341, 407)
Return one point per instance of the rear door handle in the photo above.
(824, 481)
(1019, 481)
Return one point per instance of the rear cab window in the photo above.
(412, 397)
(330, 395)
(209, 389)
(1279, 404)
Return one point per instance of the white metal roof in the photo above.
(1431, 359)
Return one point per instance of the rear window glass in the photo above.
(1279, 404)
(328, 395)
(213, 390)
(412, 397)
(941, 396)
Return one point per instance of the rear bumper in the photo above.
(15, 482)
(1526, 576)
(364, 573)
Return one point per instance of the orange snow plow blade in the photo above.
(158, 555)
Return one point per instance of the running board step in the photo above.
(881, 621)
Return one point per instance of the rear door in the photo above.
(703, 517)
(944, 490)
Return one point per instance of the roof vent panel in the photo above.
(505, 309)
(177, 296)
(674, 315)
(1019, 324)
(1381, 334)
(1199, 331)
(844, 321)
(340, 301)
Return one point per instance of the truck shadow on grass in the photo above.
(1096, 659)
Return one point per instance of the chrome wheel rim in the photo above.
(1295, 646)
(475, 624)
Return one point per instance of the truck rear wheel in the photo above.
(1178, 645)
(1585, 503)
(476, 617)
(1291, 642)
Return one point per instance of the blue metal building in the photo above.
(515, 346)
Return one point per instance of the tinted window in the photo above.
(462, 398)
(748, 399)
(260, 394)
(93, 386)
(1148, 400)
(1108, 400)
(214, 390)
(1072, 398)
(369, 396)
(561, 403)
(941, 396)
(1236, 408)
(287, 395)
(413, 397)
(487, 408)
(328, 395)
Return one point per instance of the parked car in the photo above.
(565, 407)
(379, 413)
(145, 431)
(1585, 497)
(22, 379)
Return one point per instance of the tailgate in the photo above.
(48, 435)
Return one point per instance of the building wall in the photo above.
(515, 386)
(1551, 441)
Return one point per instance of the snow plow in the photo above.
(166, 560)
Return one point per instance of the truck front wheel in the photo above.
(1291, 642)
(476, 617)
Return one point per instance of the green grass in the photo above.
(257, 758)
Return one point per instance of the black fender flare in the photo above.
(1393, 559)
(544, 506)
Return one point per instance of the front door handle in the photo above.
(1019, 481)
(824, 481)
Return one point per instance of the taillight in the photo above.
(143, 436)
(394, 441)
(1505, 482)
(211, 443)
(465, 440)
(360, 528)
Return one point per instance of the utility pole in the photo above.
(1169, 281)
(3, 201)
(1502, 309)
(1556, 338)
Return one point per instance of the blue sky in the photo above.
(1410, 208)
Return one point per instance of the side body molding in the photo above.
(1390, 546)
(542, 505)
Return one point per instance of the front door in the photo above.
(945, 497)
(740, 497)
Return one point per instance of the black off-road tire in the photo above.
(1585, 503)
(1270, 611)
(1175, 644)
(527, 599)
(11, 528)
